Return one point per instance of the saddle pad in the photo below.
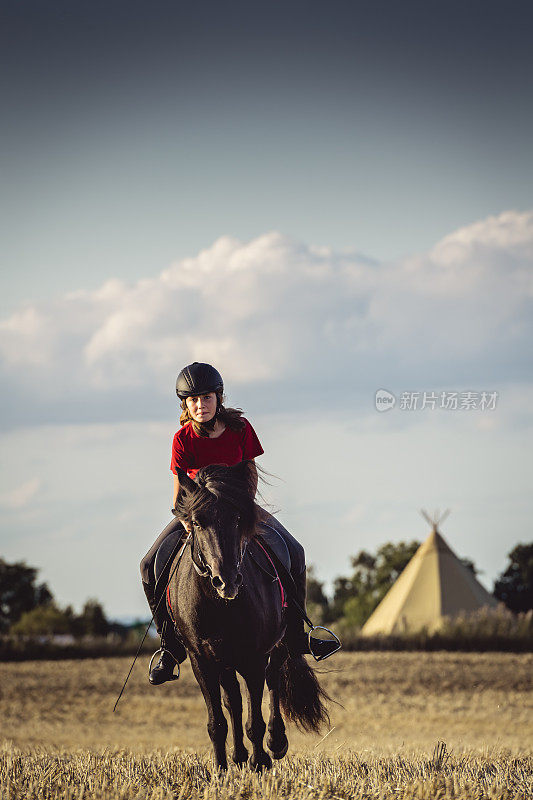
(167, 546)
(276, 542)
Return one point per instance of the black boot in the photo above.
(297, 640)
(164, 669)
(172, 653)
(172, 650)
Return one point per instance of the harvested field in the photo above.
(60, 736)
(122, 775)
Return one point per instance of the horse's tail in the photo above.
(301, 696)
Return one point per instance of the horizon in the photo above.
(331, 204)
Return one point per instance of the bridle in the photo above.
(198, 561)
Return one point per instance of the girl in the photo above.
(212, 434)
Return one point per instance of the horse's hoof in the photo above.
(281, 752)
(241, 757)
(261, 763)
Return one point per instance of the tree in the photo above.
(514, 587)
(317, 602)
(356, 597)
(93, 621)
(470, 565)
(19, 592)
(48, 620)
(315, 589)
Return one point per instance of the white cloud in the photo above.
(273, 309)
(21, 495)
(273, 312)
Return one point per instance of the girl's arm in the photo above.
(186, 525)
(176, 490)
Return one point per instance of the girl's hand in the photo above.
(187, 526)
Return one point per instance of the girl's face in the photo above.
(203, 407)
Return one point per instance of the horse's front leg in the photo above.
(255, 724)
(233, 702)
(207, 674)
(277, 741)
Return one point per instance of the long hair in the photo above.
(230, 417)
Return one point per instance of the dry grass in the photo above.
(122, 775)
(62, 740)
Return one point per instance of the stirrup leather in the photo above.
(318, 647)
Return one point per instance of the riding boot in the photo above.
(172, 648)
(172, 652)
(297, 640)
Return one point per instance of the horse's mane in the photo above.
(217, 483)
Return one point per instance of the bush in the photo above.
(46, 620)
(487, 629)
(489, 623)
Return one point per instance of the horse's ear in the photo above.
(185, 482)
(246, 471)
(240, 470)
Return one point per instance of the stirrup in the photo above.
(315, 642)
(164, 650)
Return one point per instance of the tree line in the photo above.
(28, 608)
(357, 595)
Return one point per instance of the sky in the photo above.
(323, 200)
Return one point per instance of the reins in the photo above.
(169, 560)
(201, 567)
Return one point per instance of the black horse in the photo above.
(230, 616)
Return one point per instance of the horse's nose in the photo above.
(229, 588)
(217, 582)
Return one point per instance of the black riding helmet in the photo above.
(198, 378)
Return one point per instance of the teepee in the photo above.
(434, 584)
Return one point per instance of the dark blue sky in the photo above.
(137, 133)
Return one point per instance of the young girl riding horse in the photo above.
(213, 434)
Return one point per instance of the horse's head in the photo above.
(219, 505)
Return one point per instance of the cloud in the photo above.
(275, 313)
(20, 496)
(106, 493)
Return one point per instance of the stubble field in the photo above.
(60, 738)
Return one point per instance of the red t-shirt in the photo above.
(191, 452)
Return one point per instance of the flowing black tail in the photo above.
(301, 696)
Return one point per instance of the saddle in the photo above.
(271, 554)
(267, 549)
(274, 542)
(169, 548)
